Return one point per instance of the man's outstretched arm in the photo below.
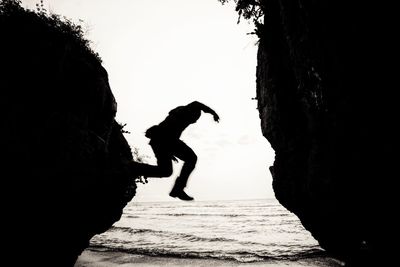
(205, 109)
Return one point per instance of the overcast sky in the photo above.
(161, 54)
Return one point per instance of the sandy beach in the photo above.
(90, 258)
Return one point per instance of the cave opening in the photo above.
(158, 55)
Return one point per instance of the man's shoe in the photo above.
(180, 194)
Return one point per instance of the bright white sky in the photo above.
(161, 54)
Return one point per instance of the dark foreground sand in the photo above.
(91, 258)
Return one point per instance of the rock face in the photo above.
(64, 174)
(326, 97)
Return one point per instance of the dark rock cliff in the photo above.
(63, 155)
(326, 92)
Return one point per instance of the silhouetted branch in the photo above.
(249, 9)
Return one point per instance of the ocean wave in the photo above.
(220, 215)
(283, 250)
(172, 235)
(131, 216)
(237, 256)
(199, 214)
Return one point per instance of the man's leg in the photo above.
(163, 167)
(185, 153)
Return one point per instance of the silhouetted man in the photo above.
(165, 142)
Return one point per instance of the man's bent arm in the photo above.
(205, 109)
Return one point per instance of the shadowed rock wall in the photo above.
(327, 102)
(63, 155)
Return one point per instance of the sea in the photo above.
(241, 230)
